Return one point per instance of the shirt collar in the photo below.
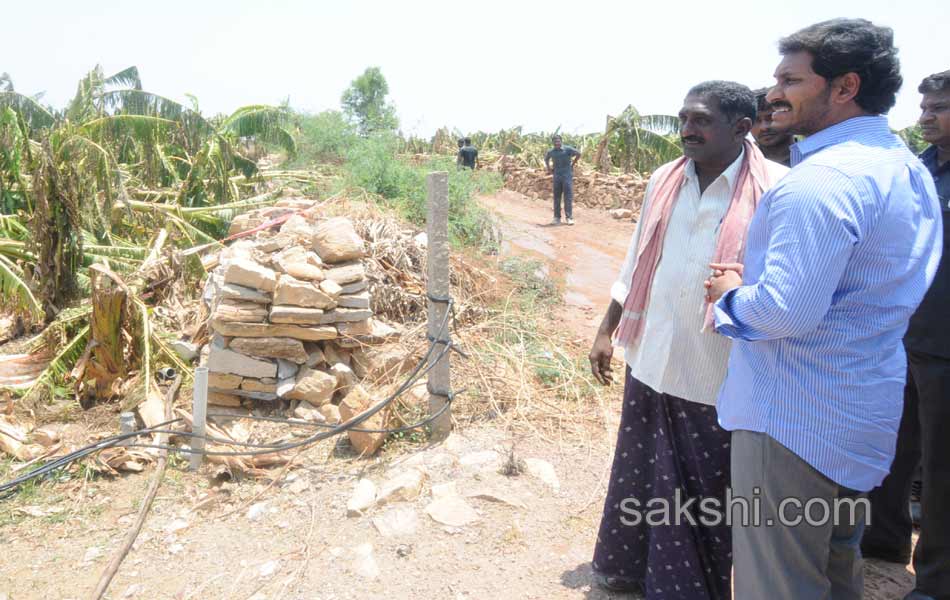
(866, 127)
(731, 173)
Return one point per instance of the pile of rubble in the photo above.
(291, 321)
(591, 188)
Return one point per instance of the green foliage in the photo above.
(365, 104)
(372, 164)
(325, 137)
(640, 143)
(911, 136)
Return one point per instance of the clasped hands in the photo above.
(724, 277)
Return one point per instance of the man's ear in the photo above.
(845, 88)
(743, 127)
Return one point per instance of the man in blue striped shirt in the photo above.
(840, 253)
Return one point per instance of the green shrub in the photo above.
(325, 137)
(373, 165)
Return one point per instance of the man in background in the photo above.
(922, 437)
(467, 156)
(564, 159)
(775, 145)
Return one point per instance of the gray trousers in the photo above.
(564, 186)
(803, 554)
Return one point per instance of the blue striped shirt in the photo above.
(840, 253)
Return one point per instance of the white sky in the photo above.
(479, 65)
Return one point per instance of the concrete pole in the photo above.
(437, 285)
(199, 414)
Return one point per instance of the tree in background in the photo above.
(911, 136)
(364, 103)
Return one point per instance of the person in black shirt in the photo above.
(775, 145)
(922, 439)
(467, 156)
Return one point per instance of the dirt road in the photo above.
(583, 259)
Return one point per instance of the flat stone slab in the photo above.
(308, 334)
(360, 300)
(314, 316)
(248, 273)
(363, 498)
(346, 273)
(397, 522)
(355, 287)
(294, 292)
(316, 387)
(233, 291)
(222, 360)
(262, 396)
(271, 347)
(232, 311)
(296, 315)
(452, 511)
(404, 486)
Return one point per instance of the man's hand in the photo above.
(600, 356)
(725, 277)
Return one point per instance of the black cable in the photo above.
(7, 489)
(402, 429)
(334, 430)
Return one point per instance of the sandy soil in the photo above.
(294, 540)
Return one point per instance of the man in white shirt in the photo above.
(695, 212)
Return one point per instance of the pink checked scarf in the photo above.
(730, 246)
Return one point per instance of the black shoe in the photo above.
(886, 554)
(618, 584)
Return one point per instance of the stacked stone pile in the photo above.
(291, 320)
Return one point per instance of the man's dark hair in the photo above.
(858, 46)
(938, 82)
(556, 136)
(468, 141)
(760, 102)
(735, 100)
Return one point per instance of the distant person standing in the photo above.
(467, 156)
(564, 159)
(775, 145)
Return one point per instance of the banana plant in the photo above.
(640, 143)
(65, 176)
(209, 177)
